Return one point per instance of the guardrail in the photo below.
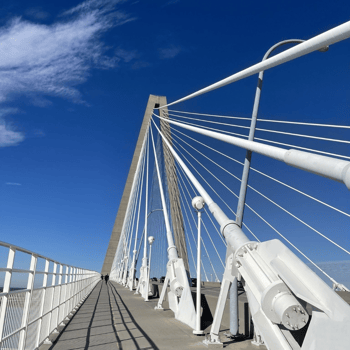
(39, 295)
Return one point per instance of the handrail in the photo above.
(32, 316)
(23, 250)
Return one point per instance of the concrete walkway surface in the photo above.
(112, 317)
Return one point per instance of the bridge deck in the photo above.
(114, 318)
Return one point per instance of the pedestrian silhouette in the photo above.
(102, 277)
(106, 278)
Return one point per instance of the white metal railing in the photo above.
(31, 311)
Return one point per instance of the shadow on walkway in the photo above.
(103, 322)
(128, 329)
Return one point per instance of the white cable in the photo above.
(301, 192)
(204, 127)
(298, 250)
(303, 148)
(251, 232)
(303, 222)
(257, 138)
(190, 227)
(133, 218)
(216, 229)
(259, 129)
(213, 223)
(215, 177)
(218, 165)
(256, 192)
(266, 120)
(210, 115)
(261, 173)
(205, 248)
(140, 200)
(206, 230)
(209, 121)
(193, 236)
(327, 38)
(205, 210)
(205, 225)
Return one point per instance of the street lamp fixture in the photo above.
(198, 204)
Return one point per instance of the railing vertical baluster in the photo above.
(46, 271)
(59, 295)
(27, 302)
(6, 289)
(52, 295)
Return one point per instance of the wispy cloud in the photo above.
(38, 60)
(37, 13)
(126, 55)
(169, 52)
(52, 60)
(13, 184)
(9, 136)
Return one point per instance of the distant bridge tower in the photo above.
(174, 195)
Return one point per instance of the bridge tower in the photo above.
(173, 190)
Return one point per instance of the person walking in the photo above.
(102, 277)
(106, 278)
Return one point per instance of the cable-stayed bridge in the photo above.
(189, 216)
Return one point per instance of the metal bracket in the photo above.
(162, 295)
(213, 341)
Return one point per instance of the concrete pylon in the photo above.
(174, 196)
(173, 189)
(118, 224)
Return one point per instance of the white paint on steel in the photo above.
(327, 38)
(172, 252)
(198, 205)
(19, 320)
(334, 169)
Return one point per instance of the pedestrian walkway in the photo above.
(114, 318)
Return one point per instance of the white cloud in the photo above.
(9, 136)
(38, 60)
(13, 184)
(37, 13)
(169, 52)
(52, 59)
(126, 55)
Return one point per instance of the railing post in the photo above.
(66, 292)
(27, 302)
(52, 295)
(46, 271)
(6, 289)
(59, 295)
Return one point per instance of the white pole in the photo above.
(150, 241)
(144, 260)
(318, 42)
(332, 168)
(198, 204)
(172, 251)
(233, 234)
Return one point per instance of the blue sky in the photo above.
(74, 83)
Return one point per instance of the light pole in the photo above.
(246, 168)
(245, 175)
(198, 204)
(134, 259)
(150, 241)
